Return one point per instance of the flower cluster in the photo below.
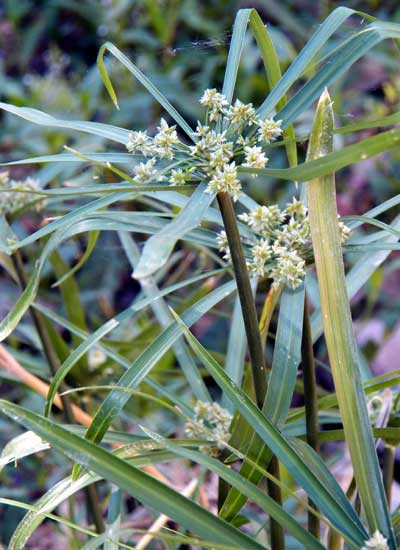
(219, 147)
(215, 103)
(345, 231)
(222, 241)
(210, 421)
(282, 237)
(376, 542)
(161, 145)
(96, 358)
(375, 404)
(282, 244)
(15, 195)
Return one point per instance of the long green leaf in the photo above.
(137, 73)
(120, 135)
(236, 350)
(344, 519)
(116, 400)
(146, 489)
(240, 483)
(91, 340)
(341, 59)
(158, 248)
(8, 324)
(113, 519)
(74, 216)
(332, 162)
(235, 53)
(280, 388)
(307, 54)
(330, 401)
(164, 317)
(338, 329)
(359, 275)
(273, 70)
(116, 158)
(65, 488)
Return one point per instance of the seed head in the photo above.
(215, 102)
(254, 157)
(145, 171)
(376, 542)
(225, 179)
(165, 139)
(141, 142)
(269, 130)
(241, 114)
(264, 219)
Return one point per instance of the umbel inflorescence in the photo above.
(219, 148)
(282, 244)
(232, 136)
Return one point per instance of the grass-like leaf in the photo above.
(90, 340)
(158, 248)
(148, 490)
(116, 400)
(114, 133)
(338, 330)
(307, 54)
(338, 62)
(241, 484)
(332, 162)
(164, 317)
(280, 387)
(137, 73)
(342, 517)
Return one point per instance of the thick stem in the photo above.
(310, 402)
(246, 296)
(94, 509)
(254, 342)
(335, 541)
(388, 469)
(277, 537)
(54, 363)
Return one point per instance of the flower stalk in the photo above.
(256, 350)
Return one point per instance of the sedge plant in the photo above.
(186, 185)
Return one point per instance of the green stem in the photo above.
(388, 469)
(310, 402)
(54, 364)
(277, 537)
(254, 342)
(335, 541)
(246, 297)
